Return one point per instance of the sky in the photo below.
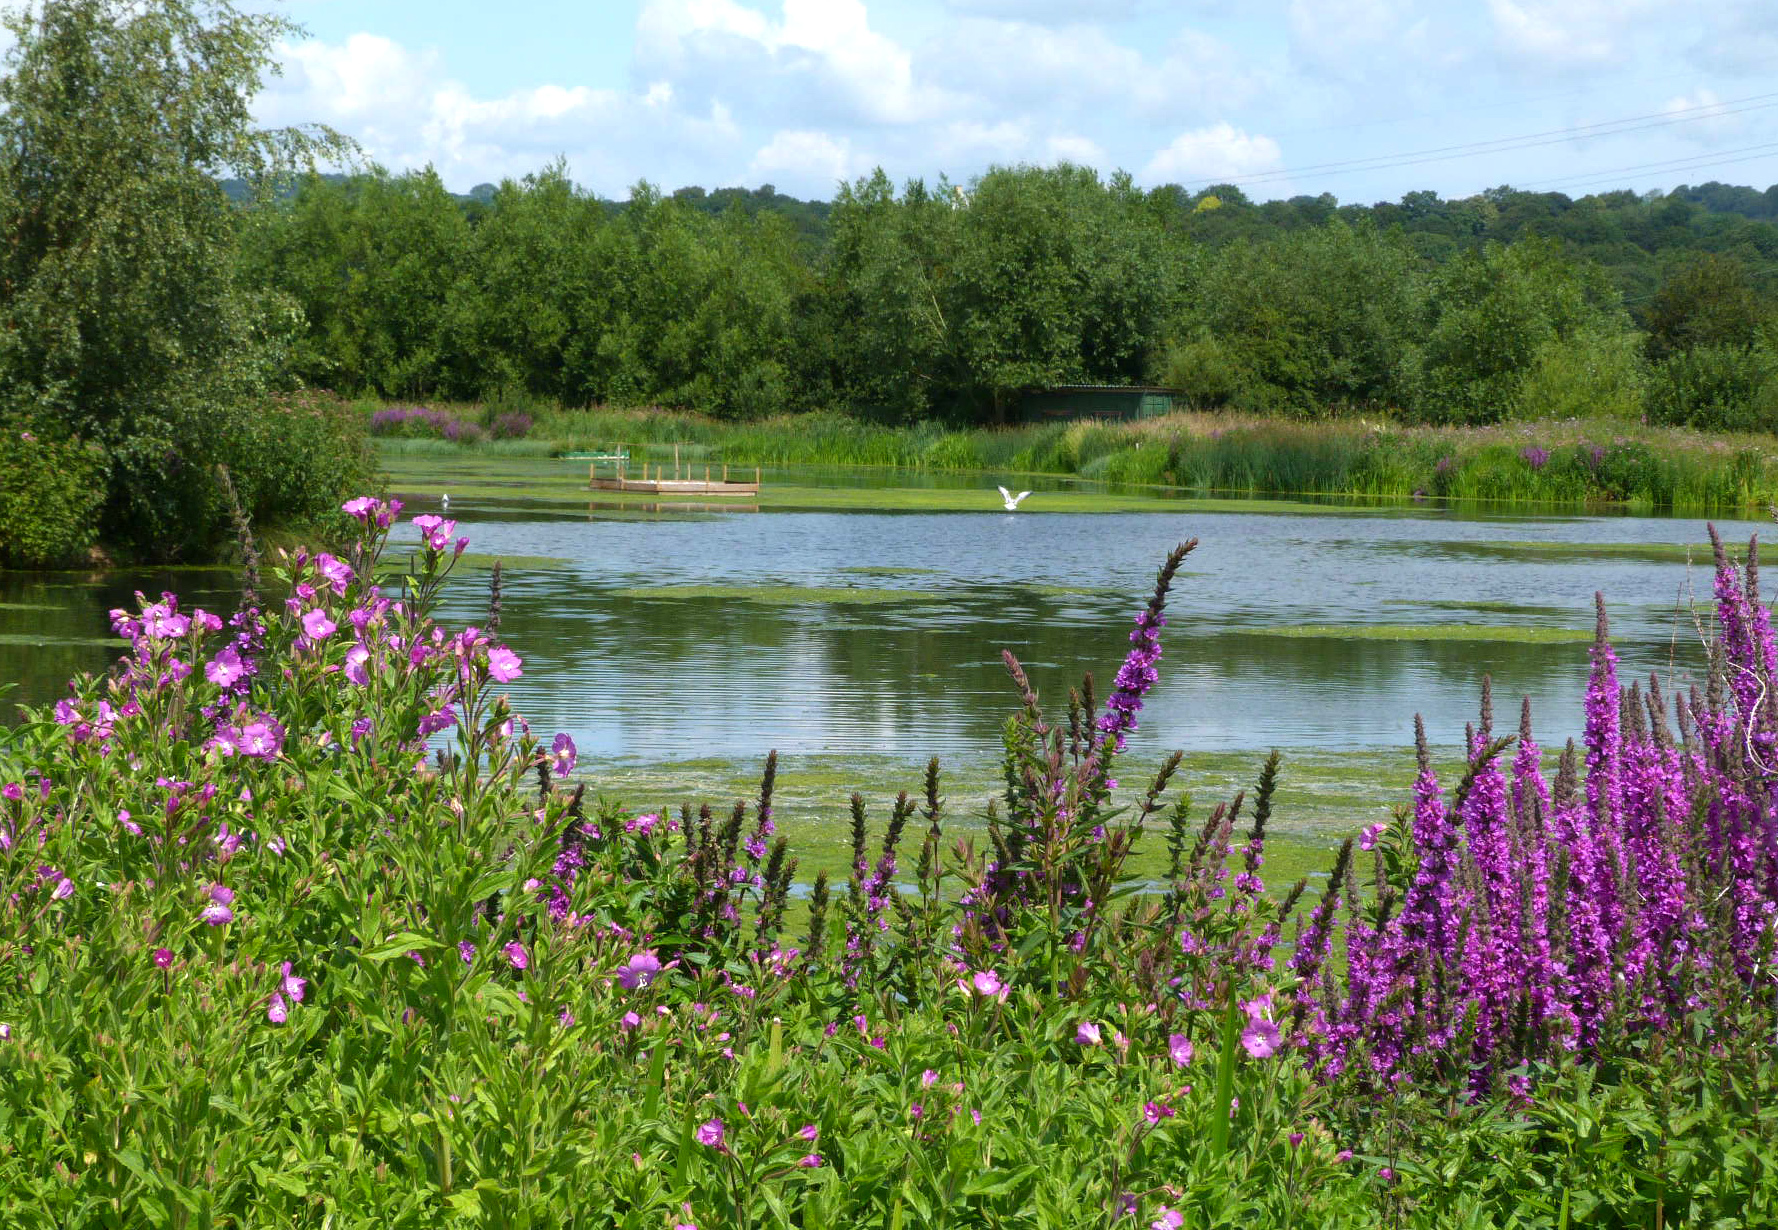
(1364, 99)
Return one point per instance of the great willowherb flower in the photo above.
(276, 1012)
(503, 664)
(1179, 1049)
(163, 957)
(317, 626)
(225, 668)
(809, 1161)
(640, 970)
(563, 755)
(1087, 1033)
(710, 1134)
(1167, 1219)
(808, 1131)
(1154, 1112)
(1260, 1038)
(629, 1021)
(517, 956)
(290, 984)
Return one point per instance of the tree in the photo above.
(1708, 300)
(121, 321)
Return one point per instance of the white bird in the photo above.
(444, 501)
(1012, 501)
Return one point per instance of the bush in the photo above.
(50, 495)
(1716, 388)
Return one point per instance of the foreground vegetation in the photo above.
(269, 962)
(1571, 462)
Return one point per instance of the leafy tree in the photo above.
(1707, 300)
(121, 321)
(1492, 316)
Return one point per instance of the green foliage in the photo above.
(1493, 316)
(1591, 373)
(123, 325)
(1716, 388)
(1313, 320)
(50, 493)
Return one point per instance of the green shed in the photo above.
(1107, 402)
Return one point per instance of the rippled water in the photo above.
(649, 679)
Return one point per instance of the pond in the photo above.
(678, 647)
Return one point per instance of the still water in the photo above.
(645, 678)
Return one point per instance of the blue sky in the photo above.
(1366, 99)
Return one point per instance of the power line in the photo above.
(1663, 165)
(1697, 163)
(1499, 145)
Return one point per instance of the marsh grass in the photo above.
(1555, 464)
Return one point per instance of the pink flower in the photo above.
(1367, 838)
(1154, 1112)
(361, 507)
(987, 984)
(276, 1012)
(808, 1131)
(515, 953)
(710, 1134)
(1087, 1033)
(163, 957)
(357, 669)
(13, 791)
(1261, 1038)
(216, 914)
(290, 984)
(927, 1078)
(563, 755)
(809, 1161)
(317, 626)
(503, 664)
(225, 667)
(630, 1020)
(1168, 1219)
(641, 970)
(1179, 1049)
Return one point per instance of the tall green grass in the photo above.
(1560, 464)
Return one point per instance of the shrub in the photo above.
(1716, 388)
(50, 495)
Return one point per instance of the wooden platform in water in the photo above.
(673, 486)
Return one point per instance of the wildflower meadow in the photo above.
(302, 925)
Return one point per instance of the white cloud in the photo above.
(407, 112)
(1356, 40)
(819, 57)
(1219, 152)
(1707, 120)
(1567, 33)
(1082, 151)
(805, 154)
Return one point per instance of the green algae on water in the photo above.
(1427, 632)
(776, 595)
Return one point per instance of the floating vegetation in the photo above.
(1426, 632)
(776, 595)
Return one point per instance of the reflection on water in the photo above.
(643, 680)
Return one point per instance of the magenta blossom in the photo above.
(1179, 1049)
(809, 1161)
(317, 626)
(516, 954)
(290, 984)
(1261, 1038)
(225, 668)
(1167, 1219)
(503, 664)
(1087, 1033)
(163, 957)
(216, 914)
(808, 1131)
(564, 755)
(710, 1134)
(639, 971)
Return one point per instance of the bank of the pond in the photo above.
(1568, 462)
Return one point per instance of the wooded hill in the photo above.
(944, 300)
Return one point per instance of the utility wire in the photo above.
(1446, 153)
(1664, 164)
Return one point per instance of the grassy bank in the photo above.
(1571, 462)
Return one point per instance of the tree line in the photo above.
(945, 300)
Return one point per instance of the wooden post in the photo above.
(706, 474)
(675, 461)
(756, 476)
(725, 471)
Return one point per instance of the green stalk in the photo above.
(1225, 1078)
